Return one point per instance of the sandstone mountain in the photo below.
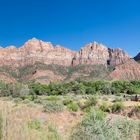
(43, 62)
(35, 51)
(95, 53)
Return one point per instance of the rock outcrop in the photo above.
(95, 53)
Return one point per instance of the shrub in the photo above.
(38, 101)
(117, 107)
(88, 128)
(26, 101)
(67, 101)
(52, 98)
(90, 90)
(52, 133)
(96, 127)
(34, 124)
(105, 107)
(92, 100)
(53, 107)
(73, 106)
(86, 104)
(126, 129)
(17, 100)
(82, 103)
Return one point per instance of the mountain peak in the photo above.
(11, 47)
(36, 44)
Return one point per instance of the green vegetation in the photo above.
(74, 87)
(53, 133)
(73, 106)
(34, 124)
(93, 102)
(105, 107)
(117, 107)
(53, 107)
(96, 126)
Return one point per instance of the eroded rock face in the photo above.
(36, 50)
(92, 53)
(33, 51)
(95, 53)
(127, 71)
(117, 56)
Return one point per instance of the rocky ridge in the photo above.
(42, 61)
(35, 50)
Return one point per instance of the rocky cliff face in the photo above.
(42, 61)
(95, 53)
(35, 51)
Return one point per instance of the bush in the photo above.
(88, 128)
(95, 126)
(73, 106)
(53, 107)
(52, 98)
(92, 100)
(52, 133)
(67, 101)
(17, 100)
(82, 103)
(117, 107)
(86, 104)
(105, 107)
(34, 124)
(26, 101)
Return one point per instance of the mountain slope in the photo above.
(127, 71)
(41, 61)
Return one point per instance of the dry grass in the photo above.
(17, 116)
(15, 120)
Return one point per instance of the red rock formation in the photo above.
(95, 53)
(35, 51)
(92, 53)
(127, 71)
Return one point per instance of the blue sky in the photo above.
(72, 23)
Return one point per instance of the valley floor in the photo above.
(27, 121)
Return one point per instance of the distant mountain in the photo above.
(43, 62)
(137, 57)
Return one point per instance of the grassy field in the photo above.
(70, 117)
